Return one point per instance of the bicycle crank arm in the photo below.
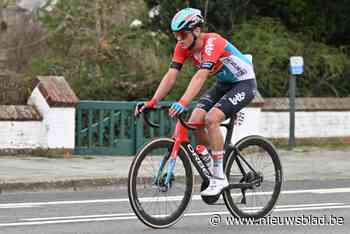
(240, 186)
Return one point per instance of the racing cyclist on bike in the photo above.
(235, 85)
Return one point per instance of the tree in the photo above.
(271, 45)
(325, 21)
(292, 27)
(100, 55)
(220, 15)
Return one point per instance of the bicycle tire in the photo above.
(231, 205)
(148, 219)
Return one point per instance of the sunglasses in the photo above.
(180, 36)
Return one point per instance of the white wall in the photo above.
(22, 135)
(57, 129)
(307, 124)
(58, 122)
(61, 128)
(247, 124)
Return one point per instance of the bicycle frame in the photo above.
(181, 138)
(240, 174)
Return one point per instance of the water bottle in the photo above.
(205, 156)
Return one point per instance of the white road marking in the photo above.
(313, 208)
(80, 216)
(20, 205)
(127, 216)
(334, 190)
(64, 221)
(318, 191)
(16, 205)
(169, 198)
(132, 214)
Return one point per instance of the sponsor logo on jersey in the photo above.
(209, 47)
(207, 65)
(237, 71)
(239, 97)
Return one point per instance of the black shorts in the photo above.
(230, 98)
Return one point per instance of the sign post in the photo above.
(296, 68)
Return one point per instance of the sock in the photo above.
(218, 159)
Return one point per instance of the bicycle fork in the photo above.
(180, 135)
(171, 165)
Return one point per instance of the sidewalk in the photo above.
(40, 173)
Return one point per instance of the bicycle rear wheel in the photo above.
(254, 160)
(156, 203)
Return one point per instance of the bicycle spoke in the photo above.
(167, 201)
(257, 162)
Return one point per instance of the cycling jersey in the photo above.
(219, 56)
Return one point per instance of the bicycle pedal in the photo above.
(210, 200)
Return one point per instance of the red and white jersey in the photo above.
(218, 55)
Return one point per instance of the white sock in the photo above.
(218, 162)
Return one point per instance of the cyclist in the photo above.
(235, 85)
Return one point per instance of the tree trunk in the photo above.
(98, 7)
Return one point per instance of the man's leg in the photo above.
(232, 102)
(213, 121)
(217, 183)
(200, 134)
(205, 104)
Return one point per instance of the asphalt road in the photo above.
(108, 211)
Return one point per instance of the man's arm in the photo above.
(192, 90)
(195, 85)
(165, 85)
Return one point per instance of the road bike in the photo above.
(161, 180)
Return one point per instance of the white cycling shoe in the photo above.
(216, 185)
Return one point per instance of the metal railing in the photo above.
(110, 128)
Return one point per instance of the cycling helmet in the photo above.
(186, 19)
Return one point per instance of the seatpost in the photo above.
(229, 127)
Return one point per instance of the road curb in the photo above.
(77, 184)
(70, 184)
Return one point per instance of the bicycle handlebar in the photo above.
(180, 117)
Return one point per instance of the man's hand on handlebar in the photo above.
(144, 107)
(177, 108)
(180, 116)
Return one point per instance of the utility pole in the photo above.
(292, 88)
(296, 68)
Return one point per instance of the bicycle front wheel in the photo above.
(158, 201)
(253, 161)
